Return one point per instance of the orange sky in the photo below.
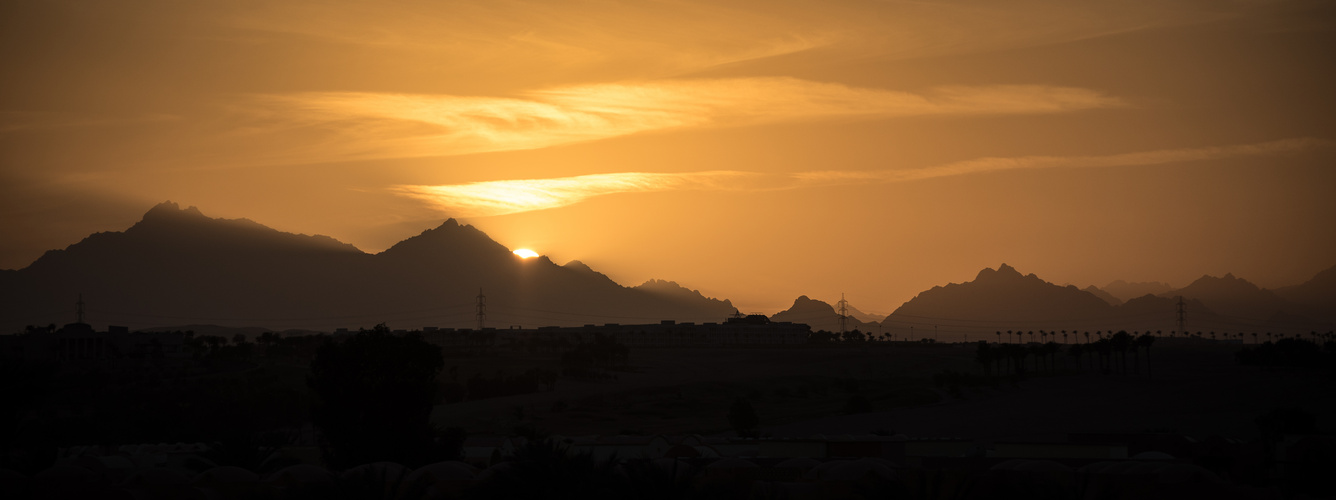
(754, 150)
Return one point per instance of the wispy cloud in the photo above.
(491, 198)
(408, 125)
(622, 40)
(985, 165)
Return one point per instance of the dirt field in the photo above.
(1197, 390)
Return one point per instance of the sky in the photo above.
(754, 150)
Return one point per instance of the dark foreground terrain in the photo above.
(253, 417)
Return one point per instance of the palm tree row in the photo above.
(1011, 357)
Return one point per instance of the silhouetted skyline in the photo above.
(753, 151)
(178, 266)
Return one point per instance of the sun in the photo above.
(526, 253)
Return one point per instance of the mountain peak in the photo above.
(578, 266)
(172, 209)
(1003, 272)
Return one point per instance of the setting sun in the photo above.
(526, 253)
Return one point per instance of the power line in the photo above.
(843, 313)
(482, 308)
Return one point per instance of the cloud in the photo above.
(636, 40)
(480, 199)
(491, 198)
(378, 125)
(986, 165)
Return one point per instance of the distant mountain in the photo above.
(1004, 299)
(672, 292)
(1317, 294)
(820, 316)
(1125, 291)
(1232, 296)
(865, 317)
(177, 266)
(999, 299)
(1106, 296)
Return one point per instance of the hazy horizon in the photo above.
(753, 151)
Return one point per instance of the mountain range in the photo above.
(1004, 299)
(178, 266)
(821, 316)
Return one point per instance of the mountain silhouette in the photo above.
(1125, 291)
(864, 316)
(1098, 292)
(1004, 299)
(178, 266)
(672, 292)
(819, 315)
(1000, 299)
(1232, 296)
(1317, 295)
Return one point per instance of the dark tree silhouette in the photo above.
(373, 397)
(1121, 342)
(742, 417)
(1076, 351)
(1145, 341)
(984, 356)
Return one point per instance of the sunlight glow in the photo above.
(526, 253)
(490, 198)
(481, 199)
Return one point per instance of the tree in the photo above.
(742, 417)
(1075, 351)
(983, 355)
(1145, 341)
(373, 397)
(1121, 342)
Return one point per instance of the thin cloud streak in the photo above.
(492, 198)
(482, 199)
(376, 125)
(987, 165)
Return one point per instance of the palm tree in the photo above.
(1008, 336)
(1145, 341)
(1087, 336)
(1076, 351)
(1031, 335)
(999, 336)
(1121, 342)
(983, 355)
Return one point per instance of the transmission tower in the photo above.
(482, 309)
(1182, 316)
(843, 313)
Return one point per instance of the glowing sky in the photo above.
(755, 150)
